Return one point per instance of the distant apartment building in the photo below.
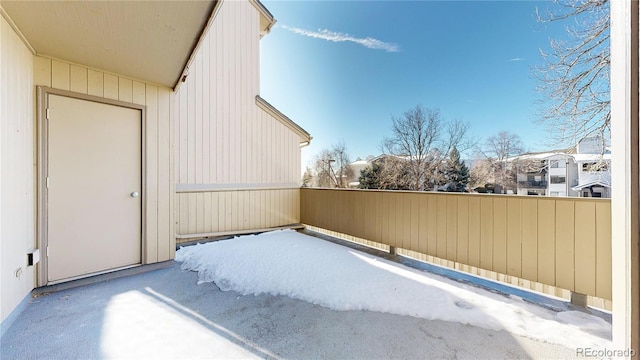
(580, 172)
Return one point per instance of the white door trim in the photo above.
(42, 169)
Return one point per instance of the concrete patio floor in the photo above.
(164, 314)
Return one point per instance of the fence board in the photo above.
(462, 254)
(585, 257)
(565, 265)
(514, 239)
(546, 242)
(564, 242)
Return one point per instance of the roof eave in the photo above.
(305, 137)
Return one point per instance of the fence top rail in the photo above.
(444, 193)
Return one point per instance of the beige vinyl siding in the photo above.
(211, 212)
(563, 242)
(159, 189)
(223, 137)
(17, 169)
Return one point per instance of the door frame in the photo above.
(42, 156)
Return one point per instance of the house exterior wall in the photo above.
(159, 244)
(17, 170)
(233, 159)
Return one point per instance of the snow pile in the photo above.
(320, 272)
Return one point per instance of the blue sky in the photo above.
(471, 59)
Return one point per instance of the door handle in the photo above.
(134, 194)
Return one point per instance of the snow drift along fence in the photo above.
(562, 242)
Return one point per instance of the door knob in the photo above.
(134, 194)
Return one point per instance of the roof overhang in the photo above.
(305, 137)
(150, 41)
(266, 18)
(589, 184)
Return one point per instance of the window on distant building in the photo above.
(558, 179)
(558, 164)
(594, 166)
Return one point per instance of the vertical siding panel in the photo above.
(139, 96)
(359, 211)
(17, 170)
(486, 233)
(207, 212)
(59, 75)
(184, 136)
(191, 130)
(125, 90)
(95, 83)
(546, 241)
(530, 239)
(500, 235)
(244, 95)
(441, 226)
(200, 213)
(78, 79)
(383, 217)
(565, 243)
(212, 102)
(452, 227)
(585, 247)
(415, 222)
(514, 242)
(432, 227)
(41, 71)
(474, 231)
(198, 120)
(405, 220)
(206, 119)
(192, 210)
(424, 224)
(369, 216)
(220, 96)
(184, 213)
(151, 194)
(296, 205)
(603, 250)
(229, 210)
(166, 185)
(215, 212)
(392, 219)
(248, 222)
(462, 232)
(110, 87)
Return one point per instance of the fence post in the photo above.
(579, 299)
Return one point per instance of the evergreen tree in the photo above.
(456, 172)
(369, 177)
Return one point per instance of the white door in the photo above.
(94, 187)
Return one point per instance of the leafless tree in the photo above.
(332, 167)
(574, 80)
(482, 173)
(423, 139)
(499, 151)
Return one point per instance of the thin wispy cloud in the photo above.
(329, 35)
(515, 59)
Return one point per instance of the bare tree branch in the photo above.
(574, 80)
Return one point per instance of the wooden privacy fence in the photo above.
(562, 242)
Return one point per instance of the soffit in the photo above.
(146, 40)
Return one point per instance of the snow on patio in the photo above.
(306, 268)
